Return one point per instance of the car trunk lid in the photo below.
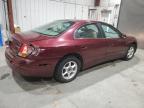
(18, 39)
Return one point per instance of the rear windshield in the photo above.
(54, 28)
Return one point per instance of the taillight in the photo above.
(23, 52)
(27, 50)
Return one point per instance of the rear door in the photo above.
(92, 45)
(116, 44)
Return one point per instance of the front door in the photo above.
(116, 44)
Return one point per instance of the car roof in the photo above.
(84, 21)
(77, 20)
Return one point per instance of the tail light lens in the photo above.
(27, 50)
(23, 52)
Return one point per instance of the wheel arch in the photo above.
(77, 55)
(134, 43)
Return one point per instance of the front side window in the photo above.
(54, 28)
(88, 31)
(110, 32)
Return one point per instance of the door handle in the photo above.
(83, 47)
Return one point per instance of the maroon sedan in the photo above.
(64, 47)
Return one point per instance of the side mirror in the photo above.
(123, 36)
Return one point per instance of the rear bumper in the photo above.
(28, 67)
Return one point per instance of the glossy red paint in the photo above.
(53, 49)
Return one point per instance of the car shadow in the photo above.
(85, 78)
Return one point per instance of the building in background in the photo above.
(107, 11)
(29, 14)
(32, 13)
(5, 32)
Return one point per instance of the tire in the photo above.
(130, 52)
(67, 69)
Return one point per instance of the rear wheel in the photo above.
(130, 52)
(67, 69)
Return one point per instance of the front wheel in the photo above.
(67, 69)
(130, 52)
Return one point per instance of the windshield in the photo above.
(54, 28)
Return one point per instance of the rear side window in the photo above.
(88, 31)
(54, 28)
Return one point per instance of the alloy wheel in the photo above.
(69, 70)
(130, 52)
